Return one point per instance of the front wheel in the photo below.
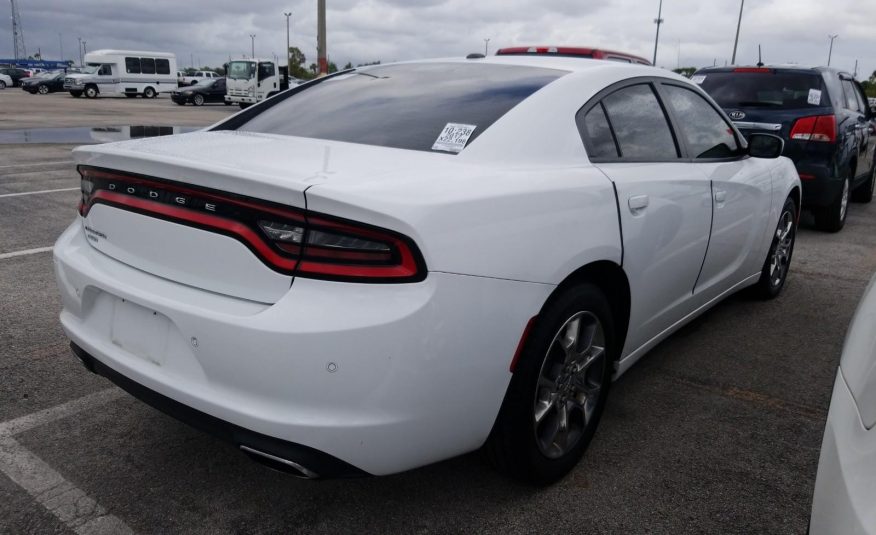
(558, 390)
(244, 105)
(198, 100)
(76, 94)
(43, 89)
(778, 261)
(91, 92)
(2, 84)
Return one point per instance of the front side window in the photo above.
(147, 65)
(707, 133)
(162, 66)
(639, 124)
(404, 106)
(105, 70)
(266, 70)
(132, 65)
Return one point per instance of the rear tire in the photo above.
(778, 260)
(864, 192)
(832, 218)
(558, 390)
(149, 93)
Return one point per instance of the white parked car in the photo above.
(390, 267)
(845, 488)
(198, 77)
(5, 81)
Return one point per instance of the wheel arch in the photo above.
(611, 279)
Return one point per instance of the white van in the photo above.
(127, 72)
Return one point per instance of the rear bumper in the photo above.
(844, 489)
(384, 378)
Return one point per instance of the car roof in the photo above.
(564, 63)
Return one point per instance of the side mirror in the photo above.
(765, 146)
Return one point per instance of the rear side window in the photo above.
(707, 133)
(132, 65)
(640, 126)
(600, 141)
(768, 89)
(162, 66)
(851, 100)
(147, 65)
(404, 106)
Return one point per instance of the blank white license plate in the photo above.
(140, 331)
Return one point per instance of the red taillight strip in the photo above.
(184, 215)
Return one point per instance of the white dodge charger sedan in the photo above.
(402, 263)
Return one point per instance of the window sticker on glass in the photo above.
(814, 97)
(698, 79)
(454, 137)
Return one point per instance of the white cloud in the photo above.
(695, 33)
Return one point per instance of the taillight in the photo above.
(761, 70)
(815, 128)
(288, 240)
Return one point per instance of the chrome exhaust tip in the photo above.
(279, 464)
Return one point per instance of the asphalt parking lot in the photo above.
(717, 430)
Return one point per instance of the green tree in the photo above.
(687, 72)
(332, 67)
(348, 66)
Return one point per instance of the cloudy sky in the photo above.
(695, 32)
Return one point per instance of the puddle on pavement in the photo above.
(86, 135)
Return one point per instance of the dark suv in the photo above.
(823, 116)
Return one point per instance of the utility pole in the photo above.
(486, 46)
(830, 52)
(84, 47)
(322, 53)
(658, 21)
(855, 75)
(17, 34)
(252, 37)
(288, 47)
(61, 44)
(80, 51)
(738, 25)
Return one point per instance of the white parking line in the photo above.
(35, 192)
(70, 504)
(25, 252)
(36, 164)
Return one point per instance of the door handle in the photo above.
(720, 195)
(637, 203)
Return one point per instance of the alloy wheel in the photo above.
(782, 253)
(569, 384)
(43, 89)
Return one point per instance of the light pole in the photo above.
(738, 25)
(658, 21)
(252, 36)
(84, 48)
(486, 45)
(288, 54)
(80, 51)
(61, 45)
(830, 52)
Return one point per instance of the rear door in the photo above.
(741, 191)
(665, 204)
(858, 126)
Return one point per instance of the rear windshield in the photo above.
(437, 107)
(783, 90)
